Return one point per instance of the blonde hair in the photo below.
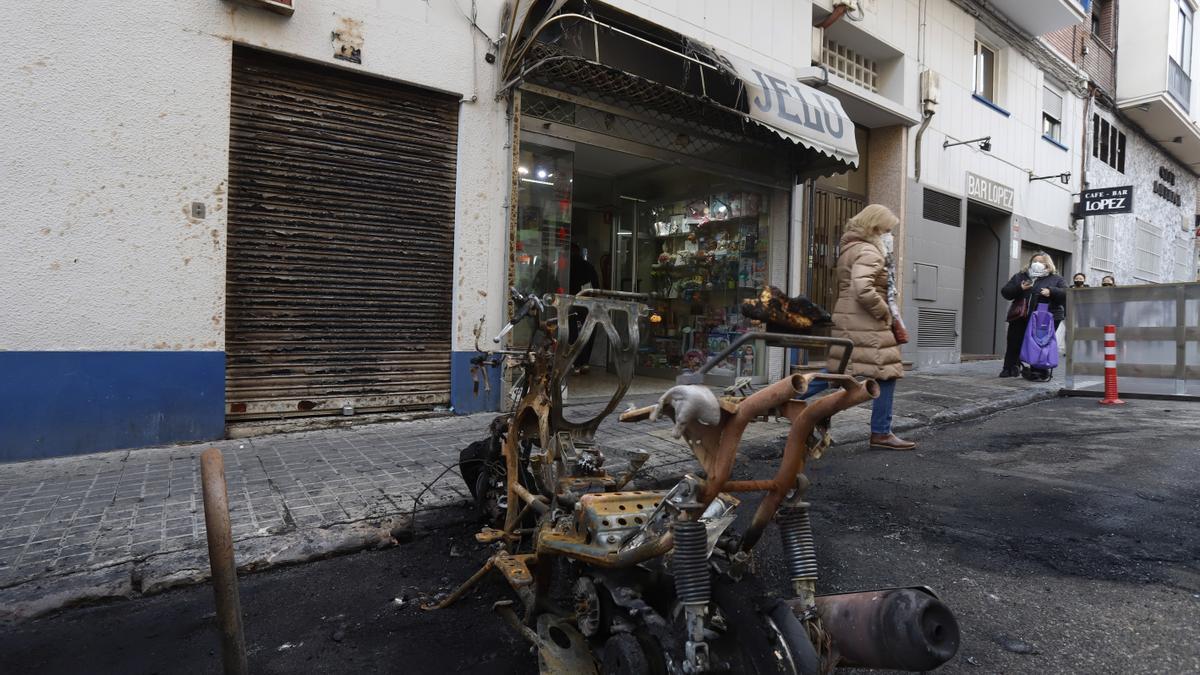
(869, 224)
(1049, 263)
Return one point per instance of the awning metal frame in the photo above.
(530, 57)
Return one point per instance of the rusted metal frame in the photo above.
(720, 463)
(220, 559)
(783, 340)
(795, 453)
(462, 590)
(599, 313)
(536, 502)
(580, 552)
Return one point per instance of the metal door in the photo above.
(341, 233)
(831, 209)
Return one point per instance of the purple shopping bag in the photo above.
(1040, 348)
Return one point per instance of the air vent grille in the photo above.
(937, 328)
(942, 208)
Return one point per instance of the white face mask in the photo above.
(1037, 270)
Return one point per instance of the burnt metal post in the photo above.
(220, 558)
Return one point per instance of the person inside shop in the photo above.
(862, 314)
(1079, 280)
(581, 276)
(1107, 281)
(1036, 284)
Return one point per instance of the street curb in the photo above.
(1022, 398)
(155, 574)
(130, 579)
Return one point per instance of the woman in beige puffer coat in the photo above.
(862, 315)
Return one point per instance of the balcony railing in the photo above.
(1179, 84)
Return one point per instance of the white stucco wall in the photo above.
(1017, 143)
(1141, 171)
(774, 33)
(116, 118)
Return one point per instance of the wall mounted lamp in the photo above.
(1064, 178)
(1177, 139)
(985, 143)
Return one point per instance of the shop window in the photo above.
(1052, 114)
(985, 71)
(1149, 251)
(851, 65)
(1108, 143)
(1103, 244)
(541, 245)
(699, 257)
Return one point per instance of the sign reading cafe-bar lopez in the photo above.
(1102, 201)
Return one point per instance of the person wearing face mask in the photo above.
(1036, 284)
(866, 313)
(1108, 281)
(1079, 280)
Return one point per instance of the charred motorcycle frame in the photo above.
(658, 581)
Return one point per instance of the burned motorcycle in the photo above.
(622, 580)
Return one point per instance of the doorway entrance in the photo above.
(984, 274)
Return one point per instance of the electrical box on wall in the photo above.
(284, 7)
(931, 90)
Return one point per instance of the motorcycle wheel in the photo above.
(762, 635)
(627, 654)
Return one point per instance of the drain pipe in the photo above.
(928, 115)
(1085, 237)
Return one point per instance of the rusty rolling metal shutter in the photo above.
(341, 235)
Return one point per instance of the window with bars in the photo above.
(1108, 143)
(1148, 243)
(851, 65)
(1103, 244)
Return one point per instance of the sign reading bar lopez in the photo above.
(1103, 201)
(990, 192)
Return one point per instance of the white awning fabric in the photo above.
(795, 111)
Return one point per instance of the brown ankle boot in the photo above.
(890, 442)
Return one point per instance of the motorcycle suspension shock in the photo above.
(799, 551)
(693, 587)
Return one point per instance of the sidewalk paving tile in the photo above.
(66, 515)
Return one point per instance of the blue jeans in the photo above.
(881, 408)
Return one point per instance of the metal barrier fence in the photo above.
(1158, 339)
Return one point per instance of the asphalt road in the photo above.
(1065, 536)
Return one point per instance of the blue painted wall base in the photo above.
(68, 403)
(463, 395)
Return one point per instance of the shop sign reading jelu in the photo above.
(989, 192)
(794, 110)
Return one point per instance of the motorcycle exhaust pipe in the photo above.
(894, 628)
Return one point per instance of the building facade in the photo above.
(1141, 133)
(269, 210)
